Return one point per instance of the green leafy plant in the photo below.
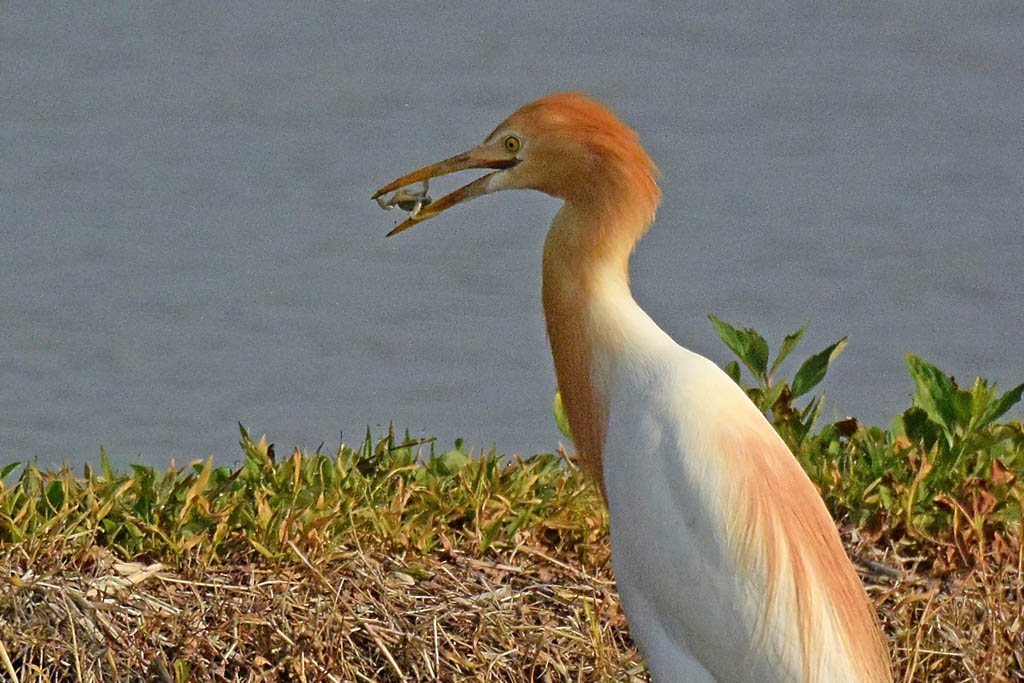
(777, 397)
(960, 415)
(969, 466)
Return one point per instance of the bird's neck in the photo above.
(586, 276)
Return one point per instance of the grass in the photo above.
(393, 560)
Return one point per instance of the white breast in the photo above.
(689, 608)
(668, 498)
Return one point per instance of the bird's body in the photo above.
(703, 582)
(728, 564)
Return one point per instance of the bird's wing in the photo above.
(786, 543)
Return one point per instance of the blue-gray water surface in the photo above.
(187, 238)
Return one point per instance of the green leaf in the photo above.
(757, 358)
(262, 549)
(728, 334)
(814, 368)
(8, 469)
(810, 414)
(936, 393)
(490, 533)
(105, 466)
(732, 368)
(561, 419)
(771, 396)
(750, 346)
(450, 461)
(55, 495)
(999, 407)
(182, 673)
(788, 344)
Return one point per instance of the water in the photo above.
(188, 240)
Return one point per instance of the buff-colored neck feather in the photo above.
(587, 247)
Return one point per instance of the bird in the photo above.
(728, 565)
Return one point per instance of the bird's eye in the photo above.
(512, 144)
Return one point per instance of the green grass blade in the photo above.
(561, 419)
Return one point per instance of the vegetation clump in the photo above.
(392, 560)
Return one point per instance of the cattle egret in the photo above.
(727, 562)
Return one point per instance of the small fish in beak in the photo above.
(411, 198)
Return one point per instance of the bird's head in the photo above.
(565, 145)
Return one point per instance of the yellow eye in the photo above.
(512, 144)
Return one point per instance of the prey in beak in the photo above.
(488, 155)
(408, 198)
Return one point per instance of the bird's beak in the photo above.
(484, 156)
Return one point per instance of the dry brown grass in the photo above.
(512, 613)
(945, 625)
